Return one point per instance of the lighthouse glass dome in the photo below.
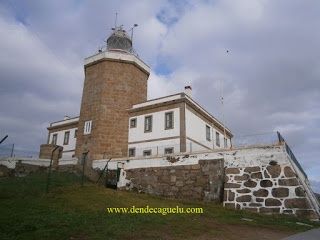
(119, 40)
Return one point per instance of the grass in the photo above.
(70, 211)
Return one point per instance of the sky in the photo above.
(263, 55)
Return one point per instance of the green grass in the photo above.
(70, 211)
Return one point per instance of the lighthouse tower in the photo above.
(115, 79)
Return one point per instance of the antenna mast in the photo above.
(115, 21)
(222, 110)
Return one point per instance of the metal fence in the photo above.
(256, 139)
(10, 150)
(290, 153)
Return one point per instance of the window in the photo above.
(66, 138)
(133, 122)
(208, 133)
(132, 152)
(75, 133)
(225, 142)
(217, 139)
(148, 124)
(54, 139)
(146, 153)
(169, 120)
(87, 127)
(168, 150)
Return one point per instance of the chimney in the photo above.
(188, 91)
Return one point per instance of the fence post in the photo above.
(84, 158)
(50, 166)
(12, 149)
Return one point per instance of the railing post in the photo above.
(12, 150)
(50, 166)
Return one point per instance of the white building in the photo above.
(174, 124)
(64, 133)
(167, 125)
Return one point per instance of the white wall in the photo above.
(72, 141)
(157, 147)
(158, 127)
(196, 130)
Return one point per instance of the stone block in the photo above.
(232, 185)
(244, 190)
(231, 196)
(266, 175)
(251, 209)
(269, 210)
(266, 183)
(230, 205)
(296, 203)
(257, 175)
(173, 178)
(308, 214)
(274, 171)
(244, 198)
(288, 172)
(261, 193)
(280, 192)
(300, 192)
(259, 200)
(179, 183)
(252, 169)
(288, 182)
(272, 202)
(232, 171)
(255, 204)
(250, 184)
(243, 177)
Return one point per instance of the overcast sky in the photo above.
(270, 76)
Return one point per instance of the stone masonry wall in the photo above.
(202, 181)
(267, 189)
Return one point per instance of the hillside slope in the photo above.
(70, 211)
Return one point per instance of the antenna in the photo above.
(222, 108)
(131, 29)
(115, 22)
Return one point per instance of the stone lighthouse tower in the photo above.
(115, 79)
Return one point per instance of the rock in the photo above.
(288, 182)
(272, 202)
(243, 177)
(244, 198)
(280, 192)
(266, 183)
(255, 204)
(261, 193)
(230, 205)
(257, 175)
(250, 184)
(252, 169)
(274, 171)
(244, 190)
(269, 210)
(231, 185)
(251, 209)
(266, 175)
(231, 196)
(296, 203)
(309, 214)
(232, 171)
(173, 178)
(288, 172)
(259, 199)
(300, 192)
